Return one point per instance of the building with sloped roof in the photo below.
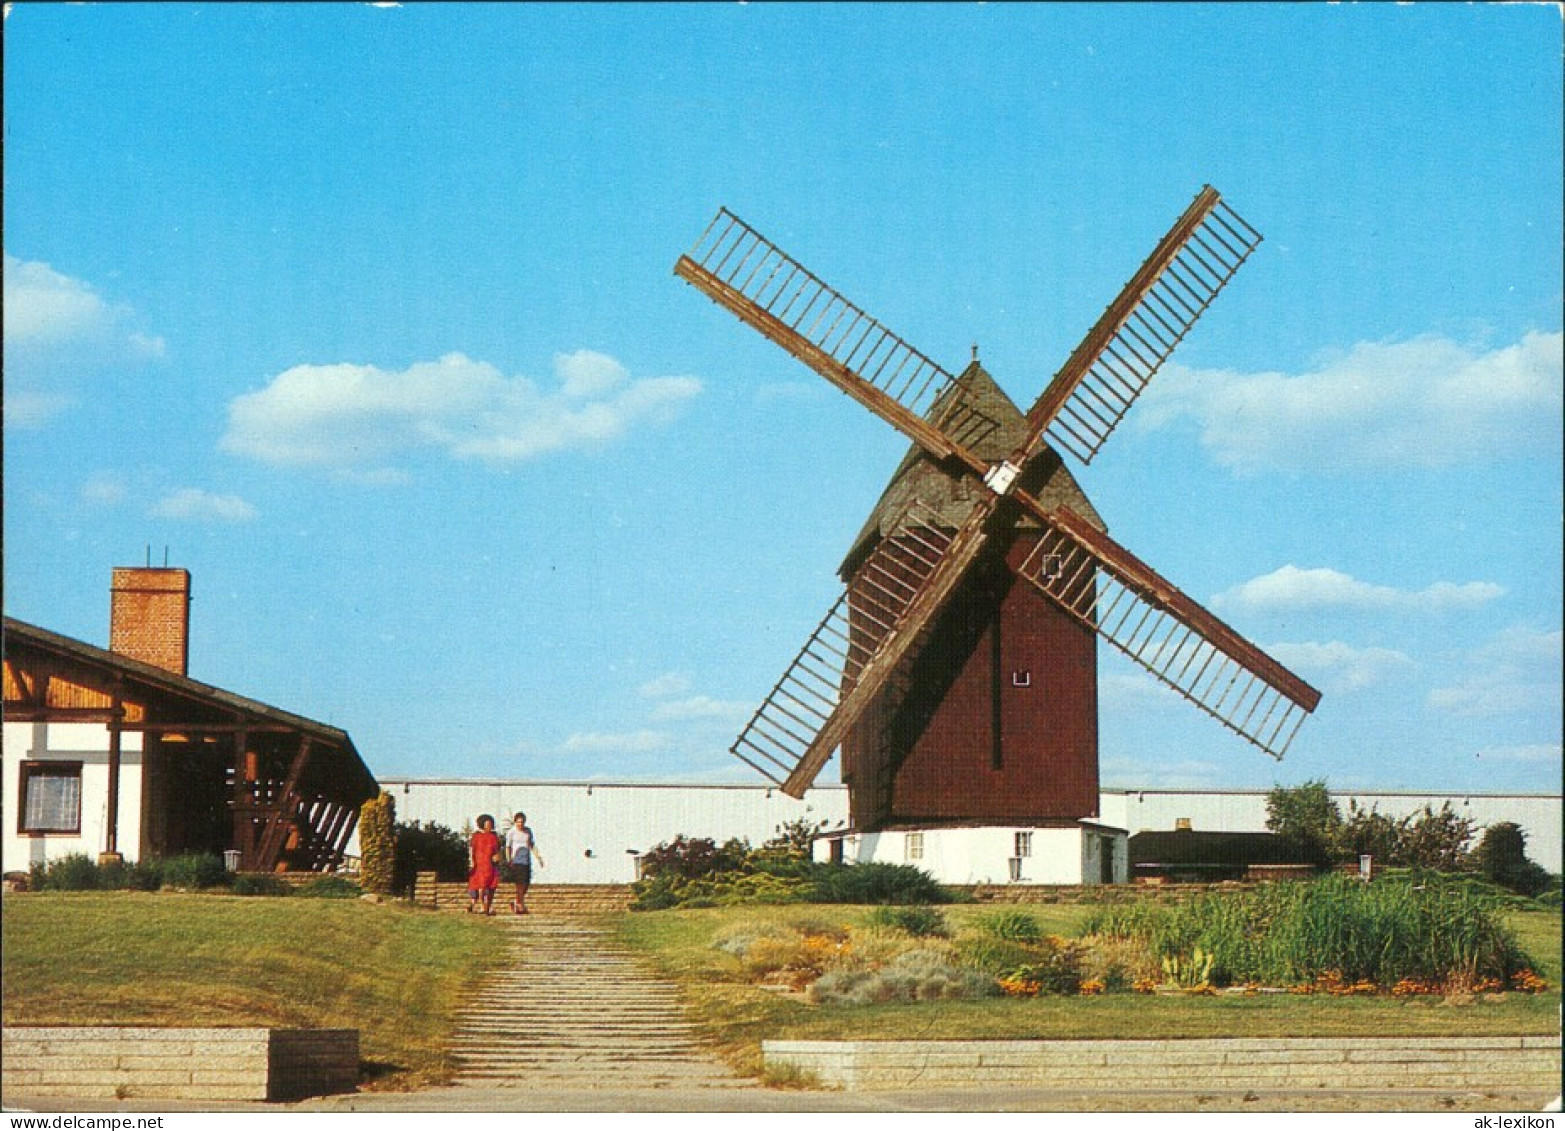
(117, 752)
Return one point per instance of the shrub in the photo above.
(1013, 925)
(75, 872)
(992, 956)
(1435, 840)
(427, 847)
(378, 843)
(915, 976)
(1501, 857)
(1055, 967)
(874, 883)
(1119, 964)
(250, 884)
(795, 840)
(193, 872)
(1368, 832)
(803, 957)
(1307, 816)
(918, 921)
(329, 887)
(740, 937)
(692, 857)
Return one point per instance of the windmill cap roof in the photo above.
(975, 412)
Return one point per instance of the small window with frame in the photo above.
(1020, 678)
(51, 796)
(914, 847)
(1023, 844)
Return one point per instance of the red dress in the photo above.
(482, 850)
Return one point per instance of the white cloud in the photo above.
(586, 374)
(627, 742)
(59, 329)
(702, 707)
(42, 305)
(192, 504)
(1340, 667)
(1516, 673)
(362, 419)
(1541, 752)
(105, 488)
(1428, 402)
(1291, 589)
(27, 408)
(670, 683)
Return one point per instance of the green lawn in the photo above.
(739, 1015)
(123, 958)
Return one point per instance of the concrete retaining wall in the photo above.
(184, 1064)
(1277, 1064)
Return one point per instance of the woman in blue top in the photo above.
(520, 852)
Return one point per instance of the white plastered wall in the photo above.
(87, 743)
(983, 855)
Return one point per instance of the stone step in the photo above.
(533, 1027)
(572, 1011)
(653, 1053)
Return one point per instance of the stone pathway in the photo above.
(572, 1011)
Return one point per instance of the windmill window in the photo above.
(1023, 844)
(51, 797)
(1050, 567)
(914, 847)
(1021, 678)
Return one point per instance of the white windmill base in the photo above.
(1055, 853)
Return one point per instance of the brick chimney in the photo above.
(149, 617)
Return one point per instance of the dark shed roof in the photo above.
(1187, 847)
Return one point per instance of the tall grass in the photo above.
(1419, 928)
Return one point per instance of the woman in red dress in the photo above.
(483, 852)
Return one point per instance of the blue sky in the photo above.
(368, 315)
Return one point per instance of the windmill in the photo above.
(981, 520)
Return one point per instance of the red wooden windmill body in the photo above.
(958, 671)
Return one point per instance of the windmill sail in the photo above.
(1136, 333)
(741, 270)
(859, 647)
(1109, 590)
(855, 650)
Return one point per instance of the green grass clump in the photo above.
(329, 887)
(918, 921)
(1422, 928)
(396, 974)
(1013, 925)
(256, 884)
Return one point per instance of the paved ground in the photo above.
(573, 1025)
(571, 1012)
(477, 1099)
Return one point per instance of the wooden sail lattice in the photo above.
(748, 265)
(1166, 306)
(864, 642)
(786, 724)
(1174, 640)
